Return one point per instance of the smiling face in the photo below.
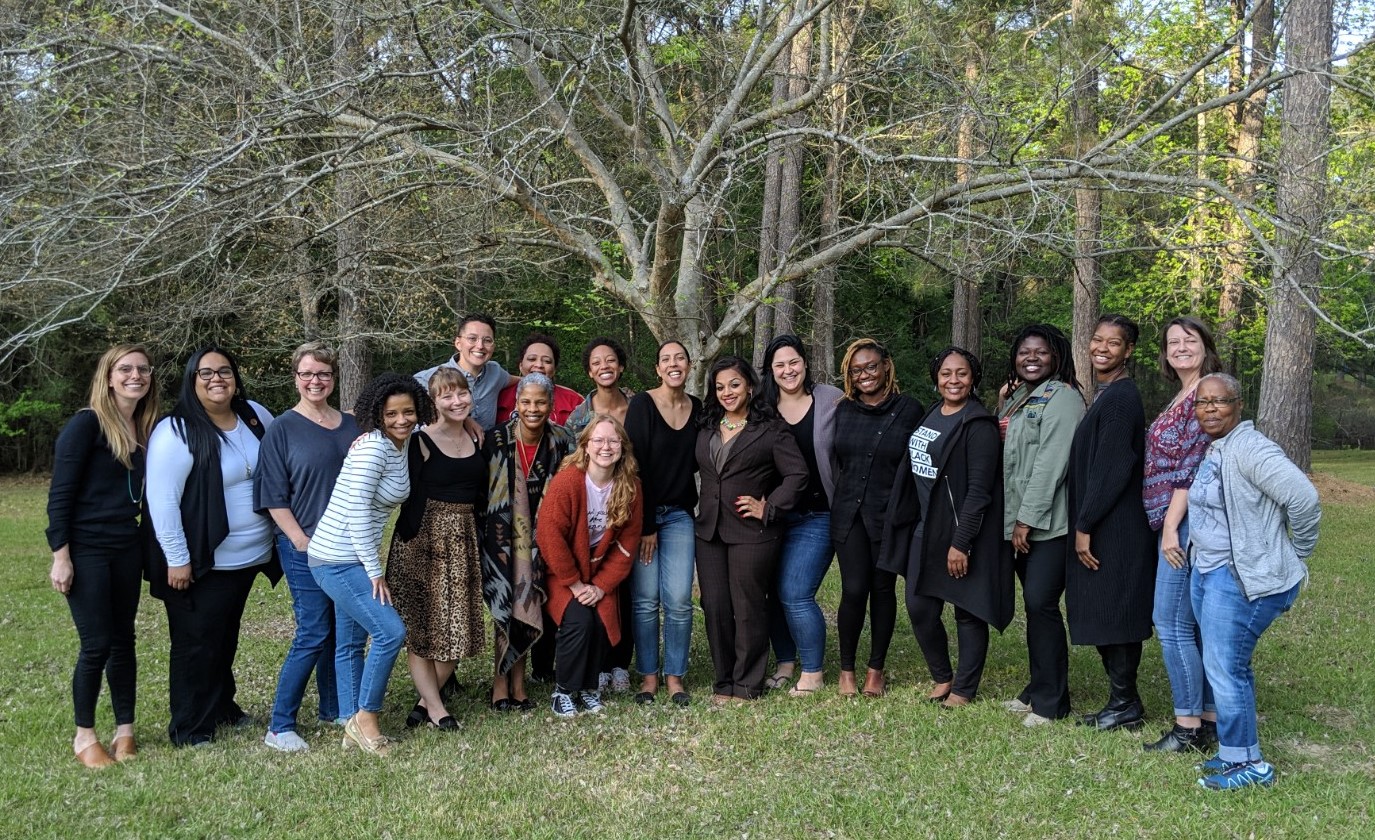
(474, 344)
(604, 446)
(672, 366)
(532, 406)
(454, 405)
(789, 370)
(217, 392)
(1036, 362)
(868, 371)
(732, 391)
(1184, 351)
(130, 377)
(1217, 409)
(398, 418)
(538, 358)
(604, 367)
(955, 380)
(1109, 350)
(314, 380)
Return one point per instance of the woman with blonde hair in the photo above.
(93, 531)
(588, 533)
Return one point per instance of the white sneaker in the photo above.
(285, 741)
(1016, 705)
(1033, 719)
(620, 680)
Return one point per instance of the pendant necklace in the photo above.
(247, 467)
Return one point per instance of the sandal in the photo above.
(778, 681)
(799, 691)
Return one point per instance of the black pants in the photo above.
(860, 581)
(579, 646)
(619, 655)
(542, 654)
(1042, 573)
(204, 624)
(971, 633)
(735, 582)
(106, 584)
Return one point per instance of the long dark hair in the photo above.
(712, 409)
(768, 388)
(1059, 348)
(1212, 362)
(190, 421)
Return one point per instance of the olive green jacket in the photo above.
(1040, 428)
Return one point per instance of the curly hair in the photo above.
(1059, 350)
(756, 409)
(372, 400)
(1212, 362)
(539, 338)
(623, 475)
(890, 377)
(768, 387)
(976, 369)
(603, 341)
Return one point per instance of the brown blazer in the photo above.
(764, 461)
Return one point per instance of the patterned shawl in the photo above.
(512, 572)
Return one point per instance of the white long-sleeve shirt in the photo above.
(374, 479)
(249, 542)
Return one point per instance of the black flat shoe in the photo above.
(417, 716)
(525, 705)
(681, 698)
(644, 698)
(502, 705)
(446, 723)
(1130, 716)
(1180, 739)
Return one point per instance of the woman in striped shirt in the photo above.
(345, 551)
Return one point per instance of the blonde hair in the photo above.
(623, 475)
(102, 402)
(447, 379)
(890, 379)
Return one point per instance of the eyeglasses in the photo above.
(321, 375)
(1215, 402)
(143, 370)
(598, 443)
(206, 374)
(871, 369)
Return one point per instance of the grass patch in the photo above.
(814, 767)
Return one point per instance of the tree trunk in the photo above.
(965, 328)
(1088, 220)
(355, 363)
(1285, 412)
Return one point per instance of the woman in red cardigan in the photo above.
(588, 534)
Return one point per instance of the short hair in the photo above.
(479, 318)
(768, 388)
(535, 379)
(1123, 323)
(372, 400)
(447, 379)
(756, 409)
(602, 341)
(890, 380)
(975, 369)
(1059, 348)
(1212, 361)
(320, 352)
(1228, 381)
(539, 338)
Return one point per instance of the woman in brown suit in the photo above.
(752, 472)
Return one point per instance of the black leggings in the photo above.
(860, 581)
(971, 633)
(106, 584)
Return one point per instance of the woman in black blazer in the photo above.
(751, 471)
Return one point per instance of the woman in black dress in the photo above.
(1110, 566)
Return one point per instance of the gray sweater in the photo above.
(1272, 512)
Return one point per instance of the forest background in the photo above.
(365, 171)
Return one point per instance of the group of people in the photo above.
(577, 523)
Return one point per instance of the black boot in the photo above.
(1124, 709)
(1180, 739)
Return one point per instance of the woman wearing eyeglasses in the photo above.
(297, 466)
(201, 461)
(93, 531)
(872, 425)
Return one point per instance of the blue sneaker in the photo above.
(1242, 775)
(1212, 766)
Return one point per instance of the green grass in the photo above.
(816, 767)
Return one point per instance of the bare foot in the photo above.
(848, 688)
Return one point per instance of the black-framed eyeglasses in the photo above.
(1215, 402)
(871, 369)
(206, 374)
(321, 375)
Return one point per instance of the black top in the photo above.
(668, 466)
(926, 454)
(446, 479)
(870, 446)
(93, 498)
(805, 433)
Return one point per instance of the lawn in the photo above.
(815, 767)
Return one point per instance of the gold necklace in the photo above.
(733, 426)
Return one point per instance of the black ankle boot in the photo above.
(1180, 739)
(1129, 715)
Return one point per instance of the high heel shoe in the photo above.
(353, 736)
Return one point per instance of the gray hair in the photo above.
(1228, 381)
(535, 379)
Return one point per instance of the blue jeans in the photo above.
(666, 582)
(796, 626)
(357, 615)
(1231, 626)
(1180, 647)
(312, 648)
